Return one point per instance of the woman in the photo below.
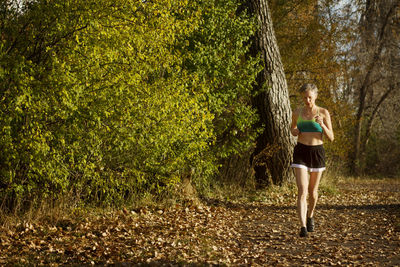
(309, 123)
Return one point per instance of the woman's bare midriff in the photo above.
(310, 139)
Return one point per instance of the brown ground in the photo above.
(360, 226)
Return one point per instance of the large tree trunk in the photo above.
(272, 104)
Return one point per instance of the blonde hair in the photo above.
(309, 87)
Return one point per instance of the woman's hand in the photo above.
(293, 127)
(319, 120)
(295, 132)
(326, 124)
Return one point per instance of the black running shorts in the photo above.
(311, 158)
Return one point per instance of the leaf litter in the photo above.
(358, 227)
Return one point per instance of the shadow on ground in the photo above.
(164, 264)
(279, 207)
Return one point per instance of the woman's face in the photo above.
(309, 98)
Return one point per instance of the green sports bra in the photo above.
(309, 126)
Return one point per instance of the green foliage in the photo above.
(106, 100)
(217, 51)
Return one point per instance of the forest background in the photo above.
(104, 103)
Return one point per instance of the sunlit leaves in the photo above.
(103, 100)
(217, 50)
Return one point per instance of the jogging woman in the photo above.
(310, 124)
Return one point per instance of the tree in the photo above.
(272, 103)
(313, 38)
(218, 50)
(97, 102)
(111, 100)
(375, 79)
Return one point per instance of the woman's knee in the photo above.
(302, 193)
(313, 194)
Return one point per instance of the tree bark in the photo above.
(272, 104)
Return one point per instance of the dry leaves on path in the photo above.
(359, 226)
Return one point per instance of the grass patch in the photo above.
(66, 212)
(329, 183)
(235, 192)
(274, 194)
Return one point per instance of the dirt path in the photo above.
(358, 227)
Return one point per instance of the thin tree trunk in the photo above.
(372, 119)
(366, 83)
(373, 116)
(272, 104)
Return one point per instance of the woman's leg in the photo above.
(315, 178)
(302, 187)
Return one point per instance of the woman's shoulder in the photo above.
(323, 111)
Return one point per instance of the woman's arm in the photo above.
(326, 124)
(293, 127)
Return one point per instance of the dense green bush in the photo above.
(104, 99)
